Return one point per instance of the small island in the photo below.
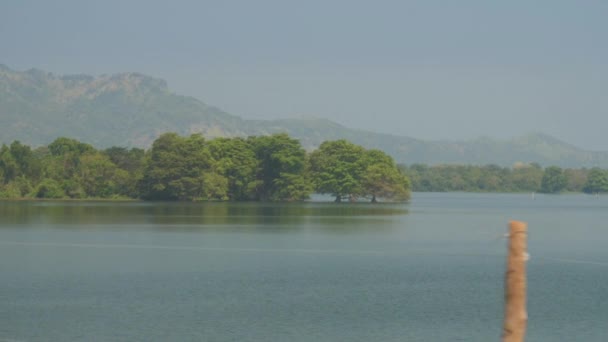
(193, 168)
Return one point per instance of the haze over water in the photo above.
(428, 271)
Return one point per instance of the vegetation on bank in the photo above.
(519, 178)
(258, 168)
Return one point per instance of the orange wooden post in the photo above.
(516, 317)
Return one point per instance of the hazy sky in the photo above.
(426, 69)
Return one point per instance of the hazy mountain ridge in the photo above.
(132, 109)
(127, 109)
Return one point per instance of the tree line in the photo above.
(192, 168)
(519, 178)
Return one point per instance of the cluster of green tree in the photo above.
(345, 170)
(492, 178)
(262, 168)
(68, 169)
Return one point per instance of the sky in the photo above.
(441, 70)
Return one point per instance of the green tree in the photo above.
(27, 164)
(281, 172)
(577, 179)
(337, 168)
(62, 146)
(99, 177)
(131, 167)
(130, 160)
(8, 165)
(49, 188)
(597, 181)
(19, 187)
(215, 186)
(176, 168)
(553, 181)
(414, 173)
(236, 161)
(526, 177)
(382, 179)
(487, 178)
(63, 163)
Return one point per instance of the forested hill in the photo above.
(128, 109)
(132, 110)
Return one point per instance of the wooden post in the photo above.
(516, 317)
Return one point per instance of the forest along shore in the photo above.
(192, 168)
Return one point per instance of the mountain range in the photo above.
(132, 109)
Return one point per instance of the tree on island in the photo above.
(383, 179)
(553, 181)
(281, 172)
(348, 171)
(336, 169)
(180, 168)
(236, 161)
(597, 181)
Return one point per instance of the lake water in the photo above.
(431, 270)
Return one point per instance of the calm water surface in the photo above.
(431, 270)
